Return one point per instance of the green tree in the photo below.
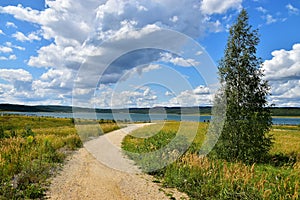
(245, 135)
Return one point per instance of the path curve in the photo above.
(92, 174)
(107, 149)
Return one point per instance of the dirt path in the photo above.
(86, 177)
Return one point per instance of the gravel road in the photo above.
(101, 171)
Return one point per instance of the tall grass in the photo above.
(208, 178)
(31, 149)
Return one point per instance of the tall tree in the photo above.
(245, 135)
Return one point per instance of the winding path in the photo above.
(101, 171)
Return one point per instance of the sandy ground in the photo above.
(101, 171)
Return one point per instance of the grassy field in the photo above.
(205, 178)
(32, 149)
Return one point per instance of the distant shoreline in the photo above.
(192, 111)
(192, 114)
(285, 116)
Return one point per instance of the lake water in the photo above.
(144, 117)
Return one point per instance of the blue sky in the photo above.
(138, 53)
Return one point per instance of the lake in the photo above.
(135, 117)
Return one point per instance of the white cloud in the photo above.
(219, 6)
(70, 23)
(283, 72)
(190, 98)
(168, 93)
(13, 75)
(198, 53)
(5, 49)
(141, 97)
(10, 57)
(9, 44)
(270, 19)
(137, 70)
(77, 28)
(26, 14)
(284, 64)
(261, 9)
(18, 86)
(1, 32)
(150, 68)
(174, 19)
(169, 58)
(10, 24)
(54, 86)
(21, 37)
(292, 9)
(201, 90)
(285, 93)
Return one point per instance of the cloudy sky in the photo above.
(126, 53)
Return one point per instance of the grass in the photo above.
(32, 149)
(206, 178)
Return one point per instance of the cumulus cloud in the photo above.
(13, 75)
(9, 44)
(283, 72)
(1, 32)
(285, 93)
(53, 87)
(175, 60)
(192, 98)
(219, 6)
(21, 37)
(284, 64)
(140, 97)
(10, 24)
(70, 23)
(55, 83)
(78, 29)
(201, 89)
(5, 49)
(20, 79)
(10, 57)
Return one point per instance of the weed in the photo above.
(209, 178)
(31, 149)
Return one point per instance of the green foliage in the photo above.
(207, 178)
(2, 134)
(160, 145)
(28, 156)
(31, 149)
(248, 119)
(28, 132)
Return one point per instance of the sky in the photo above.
(126, 53)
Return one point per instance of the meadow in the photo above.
(208, 178)
(32, 149)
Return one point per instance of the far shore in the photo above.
(275, 116)
(285, 116)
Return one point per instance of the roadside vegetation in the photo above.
(244, 163)
(277, 177)
(32, 149)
